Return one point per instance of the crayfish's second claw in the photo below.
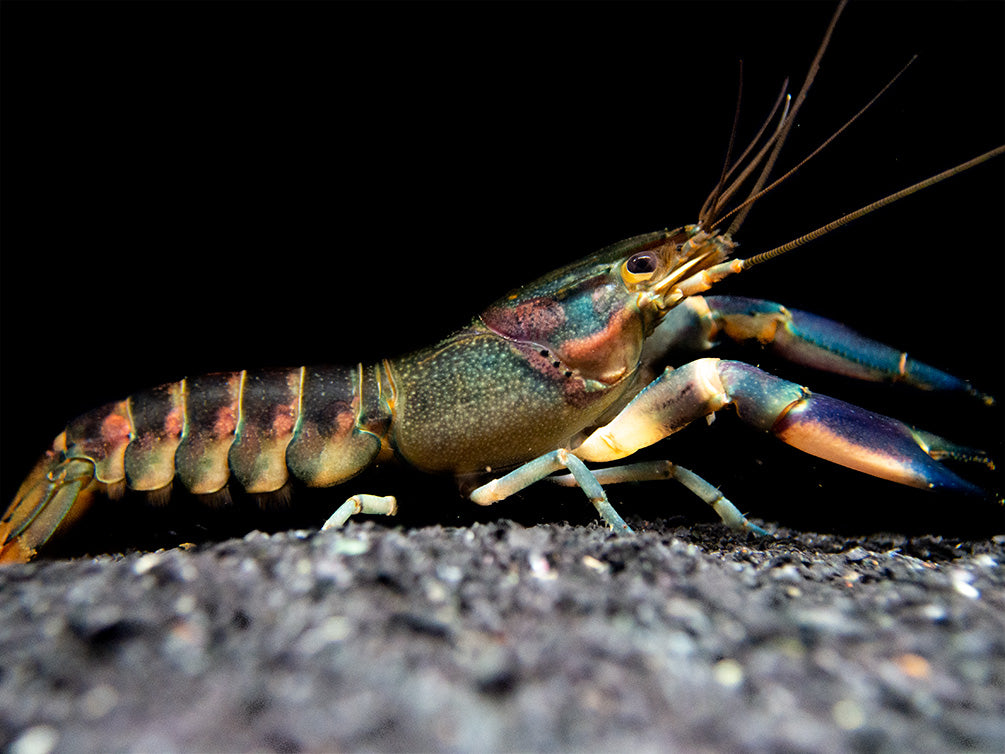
(58, 489)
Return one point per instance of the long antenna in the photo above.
(705, 279)
(745, 204)
(746, 264)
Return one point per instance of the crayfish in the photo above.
(561, 373)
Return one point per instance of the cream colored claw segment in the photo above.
(372, 504)
(666, 405)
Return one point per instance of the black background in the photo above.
(200, 187)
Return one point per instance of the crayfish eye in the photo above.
(639, 267)
(641, 263)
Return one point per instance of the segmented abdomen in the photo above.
(322, 425)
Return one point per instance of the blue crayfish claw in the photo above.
(58, 489)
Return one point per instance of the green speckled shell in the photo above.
(478, 400)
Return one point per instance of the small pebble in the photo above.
(39, 739)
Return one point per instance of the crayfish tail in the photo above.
(56, 492)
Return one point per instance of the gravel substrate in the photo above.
(501, 637)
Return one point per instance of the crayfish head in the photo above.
(594, 315)
(665, 275)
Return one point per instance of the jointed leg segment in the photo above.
(374, 504)
(825, 427)
(539, 468)
(800, 337)
(648, 471)
(817, 424)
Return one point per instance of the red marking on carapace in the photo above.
(283, 421)
(345, 420)
(608, 354)
(573, 387)
(174, 422)
(530, 320)
(226, 421)
(115, 430)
